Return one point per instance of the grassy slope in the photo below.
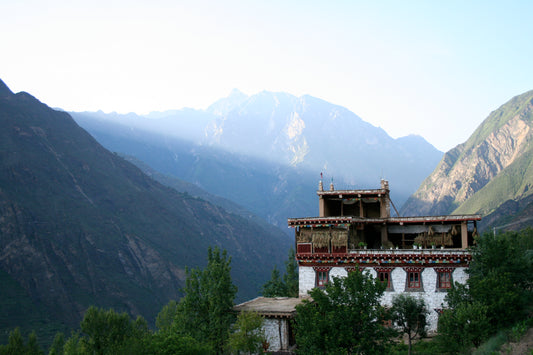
(515, 182)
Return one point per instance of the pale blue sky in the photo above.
(433, 68)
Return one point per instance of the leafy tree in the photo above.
(248, 335)
(275, 287)
(57, 345)
(205, 310)
(344, 318)
(286, 286)
(496, 294)
(501, 276)
(290, 278)
(171, 343)
(110, 332)
(75, 345)
(166, 316)
(465, 326)
(409, 314)
(33, 347)
(15, 344)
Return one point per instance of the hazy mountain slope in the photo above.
(261, 135)
(493, 166)
(271, 191)
(307, 132)
(80, 225)
(194, 190)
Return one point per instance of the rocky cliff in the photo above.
(490, 168)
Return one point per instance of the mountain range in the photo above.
(491, 173)
(266, 151)
(82, 226)
(109, 209)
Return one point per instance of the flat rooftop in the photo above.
(271, 306)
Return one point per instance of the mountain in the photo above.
(81, 226)
(310, 133)
(491, 173)
(271, 191)
(263, 151)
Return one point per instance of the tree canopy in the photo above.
(497, 293)
(344, 318)
(204, 312)
(286, 286)
(410, 315)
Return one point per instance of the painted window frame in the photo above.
(321, 282)
(385, 274)
(444, 285)
(413, 279)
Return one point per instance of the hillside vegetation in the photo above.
(491, 168)
(81, 226)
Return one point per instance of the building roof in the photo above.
(278, 307)
(325, 221)
(346, 193)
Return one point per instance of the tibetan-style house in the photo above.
(355, 230)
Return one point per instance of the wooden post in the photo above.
(464, 235)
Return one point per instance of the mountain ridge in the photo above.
(81, 226)
(493, 166)
(305, 133)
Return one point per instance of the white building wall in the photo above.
(276, 333)
(434, 299)
(306, 279)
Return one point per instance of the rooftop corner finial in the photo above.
(320, 184)
(384, 184)
(331, 188)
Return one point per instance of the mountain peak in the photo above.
(4, 90)
(236, 93)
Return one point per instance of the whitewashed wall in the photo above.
(434, 299)
(274, 328)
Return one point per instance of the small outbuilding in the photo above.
(278, 314)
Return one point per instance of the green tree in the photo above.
(496, 295)
(344, 318)
(286, 286)
(275, 287)
(501, 276)
(205, 310)
(410, 315)
(16, 346)
(171, 343)
(109, 332)
(57, 345)
(33, 347)
(248, 335)
(166, 316)
(463, 327)
(290, 278)
(75, 345)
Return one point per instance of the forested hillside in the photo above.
(81, 226)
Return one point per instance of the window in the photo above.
(414, 279)
(444, 278)
(384, 275)
(322, 276)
